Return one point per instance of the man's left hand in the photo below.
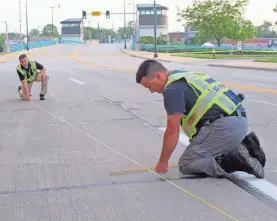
(161, 167)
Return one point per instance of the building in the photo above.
(182, 36)
(72, 30)
(256, 42)
(146, 20)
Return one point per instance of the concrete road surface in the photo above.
(56, 155)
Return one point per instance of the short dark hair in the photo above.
(148, 68)
(22, 56)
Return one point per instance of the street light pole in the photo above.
(155, 29)
(134, 20)
(27, 31)
(7, 37)
(52, 8)
(125, 35)
(52, 31)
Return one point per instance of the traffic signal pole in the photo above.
(107, 13)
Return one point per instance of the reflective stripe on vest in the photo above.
(33, 69)
(212, 92)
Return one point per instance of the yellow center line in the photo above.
(240, 86)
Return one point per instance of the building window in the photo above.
(70, 25)
(159, 12)
(164, 12)
(147, 12)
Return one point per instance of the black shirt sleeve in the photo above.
(21, 76)
(39, 66)
(174, 98)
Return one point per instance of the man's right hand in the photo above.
(28, 98)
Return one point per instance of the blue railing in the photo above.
(198, 48)
(69, 42)
(39, 44)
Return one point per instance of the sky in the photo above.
(39, 12)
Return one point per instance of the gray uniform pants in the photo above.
(213, 139)
(44, 84)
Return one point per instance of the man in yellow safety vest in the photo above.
(28, 73)
(213, 118)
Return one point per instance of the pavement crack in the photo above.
(95, 185)
(262, 125)
(115, 119)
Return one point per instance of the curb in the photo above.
(209, 65)
(242, 67)
(158, 59)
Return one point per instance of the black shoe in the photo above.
(42, 97)
(252, 143)
(229, 164)
(242, 161)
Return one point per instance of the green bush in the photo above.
(147, 40)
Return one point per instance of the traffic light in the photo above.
(107, 14)
(84, 13)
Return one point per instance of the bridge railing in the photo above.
(39, 44)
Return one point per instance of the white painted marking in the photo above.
(263, 102)
(254, 76)
(77, 81)
(261, 185)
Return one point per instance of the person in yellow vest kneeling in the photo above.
(28, 73)
(213, 118)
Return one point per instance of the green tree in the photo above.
(129, 30)
(47, 31)
(34, 32)
(214, 19)
(265, 31)
(91, 33)
(104, 33)
(242, 30)
(275, 9)
(2, 42)
(162, 39)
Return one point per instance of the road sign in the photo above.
(96, 13)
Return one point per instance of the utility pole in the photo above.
(125, 35)
(52, 8)
(20, 25)
(155, 29)
(52, 35)
(7, 37)
(89, 34)
(27, 31)
(134, 21)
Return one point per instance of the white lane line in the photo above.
(254, 76)
(263, 102)
(260, 185)
(75, 80)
